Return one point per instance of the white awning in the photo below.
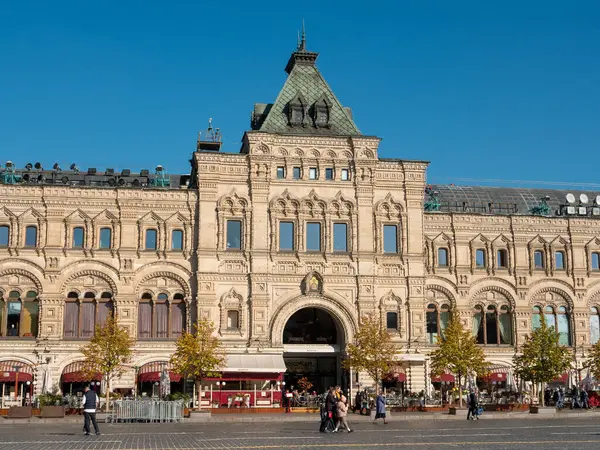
(255, 363)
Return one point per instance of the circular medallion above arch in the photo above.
(493, 295)
(339, 312)
(93, 280)
(163, 281)
(439, 295)
(551, 296)
(19, 280)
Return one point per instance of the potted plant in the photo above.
(51, 406)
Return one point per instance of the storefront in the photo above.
(247, 381)
(149, 377)
(16, 383)
(443, 386)
(75, 378)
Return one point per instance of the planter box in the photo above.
(534, 409)
(453, 410)
(19, 412)
(53, 412)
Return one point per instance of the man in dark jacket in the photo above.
(89, 403)
(472, 406)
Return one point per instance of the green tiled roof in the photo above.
(305, 80)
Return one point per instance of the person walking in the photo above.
(328, 416)
(342, 413)
(89, 402)
(585, 399)
(380, 408)
(472, 413)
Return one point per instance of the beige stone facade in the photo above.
(320, 171)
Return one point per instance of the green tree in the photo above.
(458, 354)
(372, 350)
(199, 355)
(542, 358)
(593, 363)
(109, 353)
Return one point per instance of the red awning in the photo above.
(152, 377)
(496, 376)
(11, 377)
(562, 379)
(247, 376)
(80, 377)
(9, 374)
(447, 377)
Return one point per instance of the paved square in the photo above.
(568, 434)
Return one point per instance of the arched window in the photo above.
(502, 259)
(480, 259)
(437, 322)
(492, 326)
(82, 316)
(233, 320)
(595, 261)
(594, 325)
(19, 315)
(161, 318)
(539, 260)
(536, 318)
(442, 260)
(559, 319)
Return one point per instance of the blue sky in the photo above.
(484, 90)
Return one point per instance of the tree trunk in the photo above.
(199, 393)
(460, 402)
(542, 392)
(107, 394)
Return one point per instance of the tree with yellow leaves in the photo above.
(372, 350)
(108, 353)
(199, 355)
(458, 354)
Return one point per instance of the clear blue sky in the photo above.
(487, 90)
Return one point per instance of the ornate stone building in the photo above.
(284, 246)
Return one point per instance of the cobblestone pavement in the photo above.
(567, 434)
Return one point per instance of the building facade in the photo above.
(284, 246)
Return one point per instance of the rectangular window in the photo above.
(329, 174)
(390, 239)
(105, 237)
(559, 261)
(145, 320)
(151, 239)
(4, 233)
(281, 172)
(345, 176)
(31, 236)
(594, 328)
(392, 320)
(595, 261)
(442, 257)
(502, 259)
(538, 259)
(71, 321)
(78, 237)
(480, 258)
(177, 240)
(286, 236)
(312, 173)
(432, 327)
(296, 173)
(234, 235)
(313, 237)
(340, 237)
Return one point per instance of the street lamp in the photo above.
(17, 368)
(220, 384)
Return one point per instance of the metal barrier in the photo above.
(147, 411)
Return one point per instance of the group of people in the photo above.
(580, 398)
(334, 411)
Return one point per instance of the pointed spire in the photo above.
(301, 55)
(302, 47)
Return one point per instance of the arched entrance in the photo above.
(313, 341)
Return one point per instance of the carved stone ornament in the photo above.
(312, 284)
